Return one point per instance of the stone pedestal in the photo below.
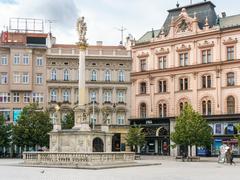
(81, 119)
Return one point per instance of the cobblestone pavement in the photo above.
(10, 169)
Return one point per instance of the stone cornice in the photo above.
(230, 41)
(183, 48)
(206, 44)
(162, 51)
(143, 55)
(184, 68)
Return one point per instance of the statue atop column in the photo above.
(82, 29)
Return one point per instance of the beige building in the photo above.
(193, 58)
(107, 81)
(22, 72)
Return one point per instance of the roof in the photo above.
(147, 36)
(229, 22)
(202, 10)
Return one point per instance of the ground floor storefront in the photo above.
(157, 135)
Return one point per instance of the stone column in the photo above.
(81, 120)
(156, 146)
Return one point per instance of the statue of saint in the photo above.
(82, 29)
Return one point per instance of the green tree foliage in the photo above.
(238, 135)
(32, 127)
(5, 133)
(191, 129)
(135, 137)
(68, 121)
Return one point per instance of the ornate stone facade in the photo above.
(192, 59)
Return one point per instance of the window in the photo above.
(16, 97)
(120, 97)
(181, 105)
(206, 81)
(162, 86)
(120, 118)
(16, 59)
(143, 88)
(162, 110)
(121, 76)
(25, 78)
(183, 57)
(230, 105)
(206, 56)
(143, 65)
(93, 96)
(25, 59)
(94, 75)
(17, 77)
(26, 97)
(54, 75)
(143, 110)
(162, 62)
(66, 75)
(39, 79)
(38, 97)
(53, 95)
(4, 60)
(107, 75)
(66, 96)
(230, 79)
(5, 97)
(3, 78)
(183, 83)
(206, 107)
(230, 53)
(39, 61)
(107, 96)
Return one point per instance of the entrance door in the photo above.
(116, 141)
(97, 145)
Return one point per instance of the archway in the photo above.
(97, 145)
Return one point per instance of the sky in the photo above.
(104, 18)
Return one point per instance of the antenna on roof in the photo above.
(50, 22)
(122, 29)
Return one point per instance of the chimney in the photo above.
(224, 14)
(99, 43)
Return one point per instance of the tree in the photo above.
(68, 121)
(191, 129)
(135, 137)
(32, 128)
(5, 133)
(238, 135)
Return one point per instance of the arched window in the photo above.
(66, 75)
(230, 79)
(107, 75)
(53, 94)
(54, 75)
(121, 76)
(181, 105)
(66, 96)
(94, 75)
(162, 110)
(143, 110)
(143, 88)
(230, 105)
(206, 107)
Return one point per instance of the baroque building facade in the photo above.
(107, 82)
(192, 59)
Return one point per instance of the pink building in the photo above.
(192, 59)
